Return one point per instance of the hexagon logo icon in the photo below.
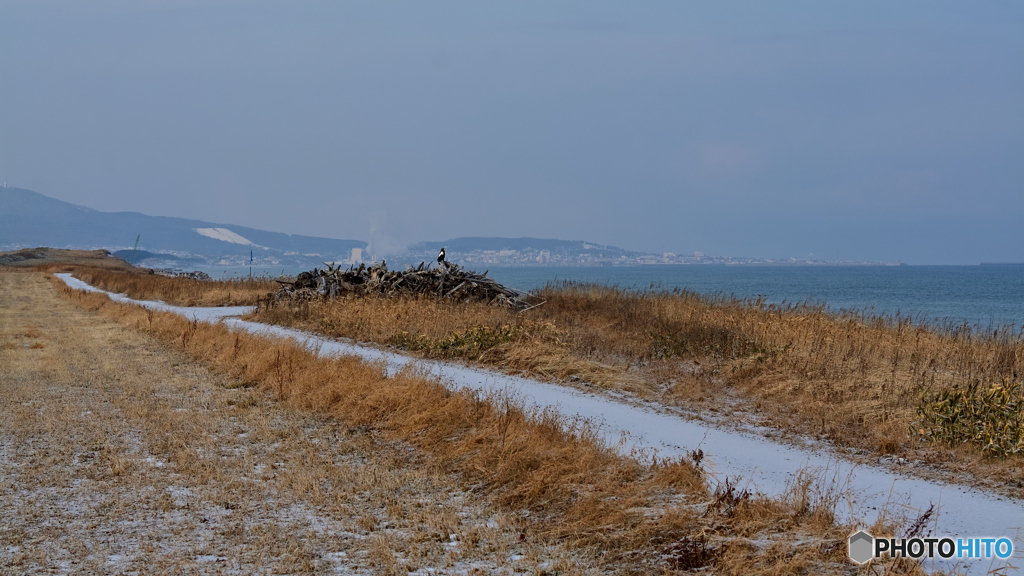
(861, 545)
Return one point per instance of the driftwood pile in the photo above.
(195, 275)
(447, 280)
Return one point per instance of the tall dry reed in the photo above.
(178, 291)
(646, 514)
(856, 379)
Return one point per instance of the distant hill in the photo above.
(155, 260)
(29, 219)
(54, 256)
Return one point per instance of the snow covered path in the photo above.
(761, 464)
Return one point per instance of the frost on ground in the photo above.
(762, 464)
(119, 456)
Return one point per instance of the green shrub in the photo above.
(992, 419)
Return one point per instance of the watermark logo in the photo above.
(864, 547)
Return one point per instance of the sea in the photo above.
(986, 296)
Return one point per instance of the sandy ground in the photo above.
(118, 455)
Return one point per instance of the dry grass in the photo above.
(865, 370)
(122, 456)
(30, 258)
(855, 380)
(177, 291)
(555, 476)
(534, 342)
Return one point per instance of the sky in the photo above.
(871, 130)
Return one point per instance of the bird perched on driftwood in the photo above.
(440, 256)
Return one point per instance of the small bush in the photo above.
(992, 419)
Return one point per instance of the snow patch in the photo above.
(225, 235)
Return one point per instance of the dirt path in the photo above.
(118, 455)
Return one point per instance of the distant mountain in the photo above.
(29, 219)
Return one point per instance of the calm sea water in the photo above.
(982, 295)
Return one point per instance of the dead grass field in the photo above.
(177, 291)
(634, 515)
(856, 381)
(120, 455)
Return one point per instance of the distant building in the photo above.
(698, 254)
(357, 256)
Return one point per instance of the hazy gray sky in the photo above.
(869, 130)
